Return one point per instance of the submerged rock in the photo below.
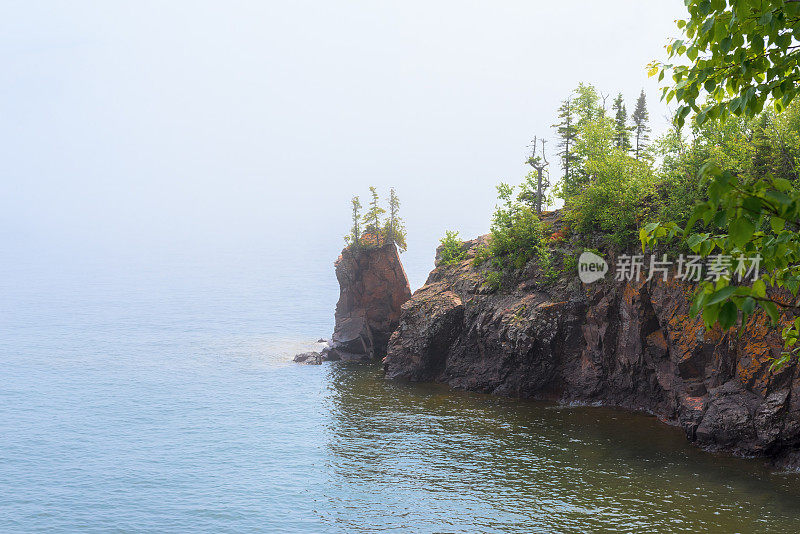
(310, 358)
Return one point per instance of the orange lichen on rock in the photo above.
(694, 403)
(657, 339)
(760, 344)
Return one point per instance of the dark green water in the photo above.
(426, 457)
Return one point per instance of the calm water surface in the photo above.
(164, 401)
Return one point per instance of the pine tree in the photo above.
(763, 158)
(372, 219)
(394, 221)
(355, 237)
(398, 234)
(567, 132)
(622, 133)
(641, 129)
(394, 230)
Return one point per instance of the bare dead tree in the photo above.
(539, 165)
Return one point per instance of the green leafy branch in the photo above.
(742, 54)
(758, 216)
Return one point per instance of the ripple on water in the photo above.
(225, 435)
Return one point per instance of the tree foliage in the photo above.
(371, 229)
(740, 55)
(394, 228)
(529, 191)
(606, 187)
(516, 234)
(587, 103)
(612, 202)
(567, 133)
(754, 221)
(372, 218)
(622, 132)
(452, 249)
(355, 231)
(578, 126)
(641, 127)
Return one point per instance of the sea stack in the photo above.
(373, 287)
(372, 290)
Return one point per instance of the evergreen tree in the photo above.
(394, 206)
(763, 159)
(641, 129)
(372, 219)
(567, 132)
(622, 133)
(398, 233)
(394, 233)
(355, 235)
(394, 229)
(584, 114)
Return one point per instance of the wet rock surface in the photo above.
(309, 358)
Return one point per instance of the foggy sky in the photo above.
(235, 124)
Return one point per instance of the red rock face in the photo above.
(627, 344)
(372, 289)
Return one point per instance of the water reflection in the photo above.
(422, 457)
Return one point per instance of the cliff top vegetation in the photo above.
(378, 226)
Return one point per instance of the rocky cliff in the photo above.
(627, 344)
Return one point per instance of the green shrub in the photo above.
(482, 255)
(516, 232)
(516, 237)
(569, 266)
(613, 199)
(544, 260)
(494, 280)
(452, 249)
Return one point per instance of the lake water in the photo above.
(142, 395)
